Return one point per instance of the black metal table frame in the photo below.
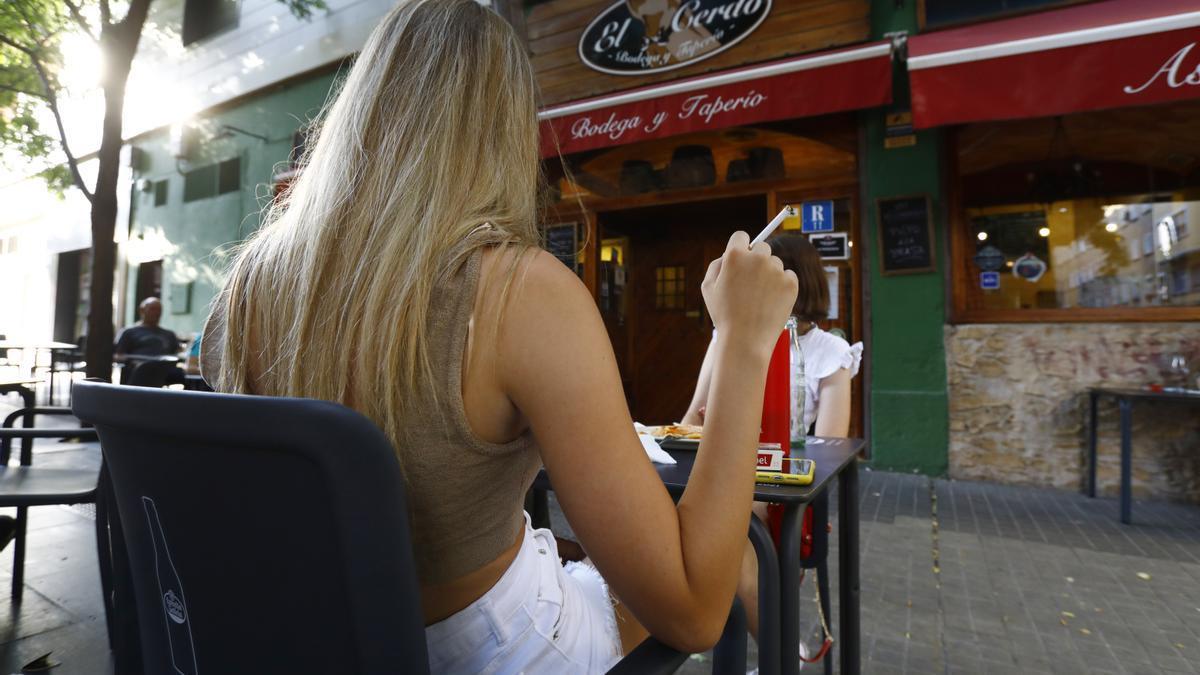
(28, 397)
(1125, 406)
(779, 577)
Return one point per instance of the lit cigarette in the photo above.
(787, 212)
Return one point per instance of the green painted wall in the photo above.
(907, 389)
(194, 238)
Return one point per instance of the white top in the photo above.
(824, 355)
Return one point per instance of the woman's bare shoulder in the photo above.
(538, 277)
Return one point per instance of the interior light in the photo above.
(1062, 209)
(982, 236)
(1008, 264)
(1111, 227)
(850, 244)
(1044, 232)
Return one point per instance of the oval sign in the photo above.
(638, 37)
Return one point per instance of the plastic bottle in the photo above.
(777, 408)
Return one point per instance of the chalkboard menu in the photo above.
(905, 235)
(562, 243)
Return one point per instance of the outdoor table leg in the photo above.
(768, 597)
(729, 656)
(1093, 398)
(789, 586)
(50, 387)
(820, 563)
(823, 585)
(1126, 406)
(848, 635)
(538, 505)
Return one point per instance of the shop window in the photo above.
(160, 192)
(940, 13)
(202, 18)
(1079, 218)
(669, 287)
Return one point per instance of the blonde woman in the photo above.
(402, 277)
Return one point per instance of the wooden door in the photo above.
(667, 327)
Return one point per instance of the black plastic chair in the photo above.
(25, 485)
(150, 373)
(266, 535)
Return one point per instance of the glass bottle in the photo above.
(799, 431)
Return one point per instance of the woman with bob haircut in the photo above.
(820, 378)
(402, 276)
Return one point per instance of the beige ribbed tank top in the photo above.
(466, 495)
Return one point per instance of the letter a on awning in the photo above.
(1087, 57)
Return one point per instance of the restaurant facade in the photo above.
(1003, 224)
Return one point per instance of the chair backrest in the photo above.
(149, 373)
(264, 534)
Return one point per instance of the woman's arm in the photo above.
(674, 566)
(833, 412)
(695, 411)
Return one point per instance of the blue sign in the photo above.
(816, 216)
(989, 281)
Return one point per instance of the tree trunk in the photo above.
(104, 225)
(119, 43)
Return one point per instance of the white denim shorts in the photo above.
(541, 617)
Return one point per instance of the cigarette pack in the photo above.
(770, 457)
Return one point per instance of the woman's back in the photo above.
(466, 494)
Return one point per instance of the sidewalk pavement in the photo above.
(956, 578)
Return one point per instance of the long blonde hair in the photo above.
(433, 133)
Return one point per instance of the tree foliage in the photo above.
(31, 33)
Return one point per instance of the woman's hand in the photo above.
(748, 292)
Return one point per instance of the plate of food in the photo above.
(677, 436)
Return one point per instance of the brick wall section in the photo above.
(1018, 407)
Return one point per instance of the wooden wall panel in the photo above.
(792, 27)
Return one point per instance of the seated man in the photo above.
(147, 338)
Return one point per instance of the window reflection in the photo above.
(1138, 251)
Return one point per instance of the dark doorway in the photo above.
(70, 295)
(149, 283)
(658, 322)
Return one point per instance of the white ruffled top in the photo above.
(824, 355)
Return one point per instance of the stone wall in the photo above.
(1018, 405)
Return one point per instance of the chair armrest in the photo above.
(651, 657)
(30, 413)
(7, 436)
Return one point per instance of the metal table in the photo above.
(779, 571)
(35, 347)
(20, 386)
(1125, 398)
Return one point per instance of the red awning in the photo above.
(846, 79)
(1098, 55)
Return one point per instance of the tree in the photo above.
(31, 33)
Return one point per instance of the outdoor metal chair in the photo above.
(25, 485)
(266, 535)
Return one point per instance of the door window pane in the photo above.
(669, 289)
